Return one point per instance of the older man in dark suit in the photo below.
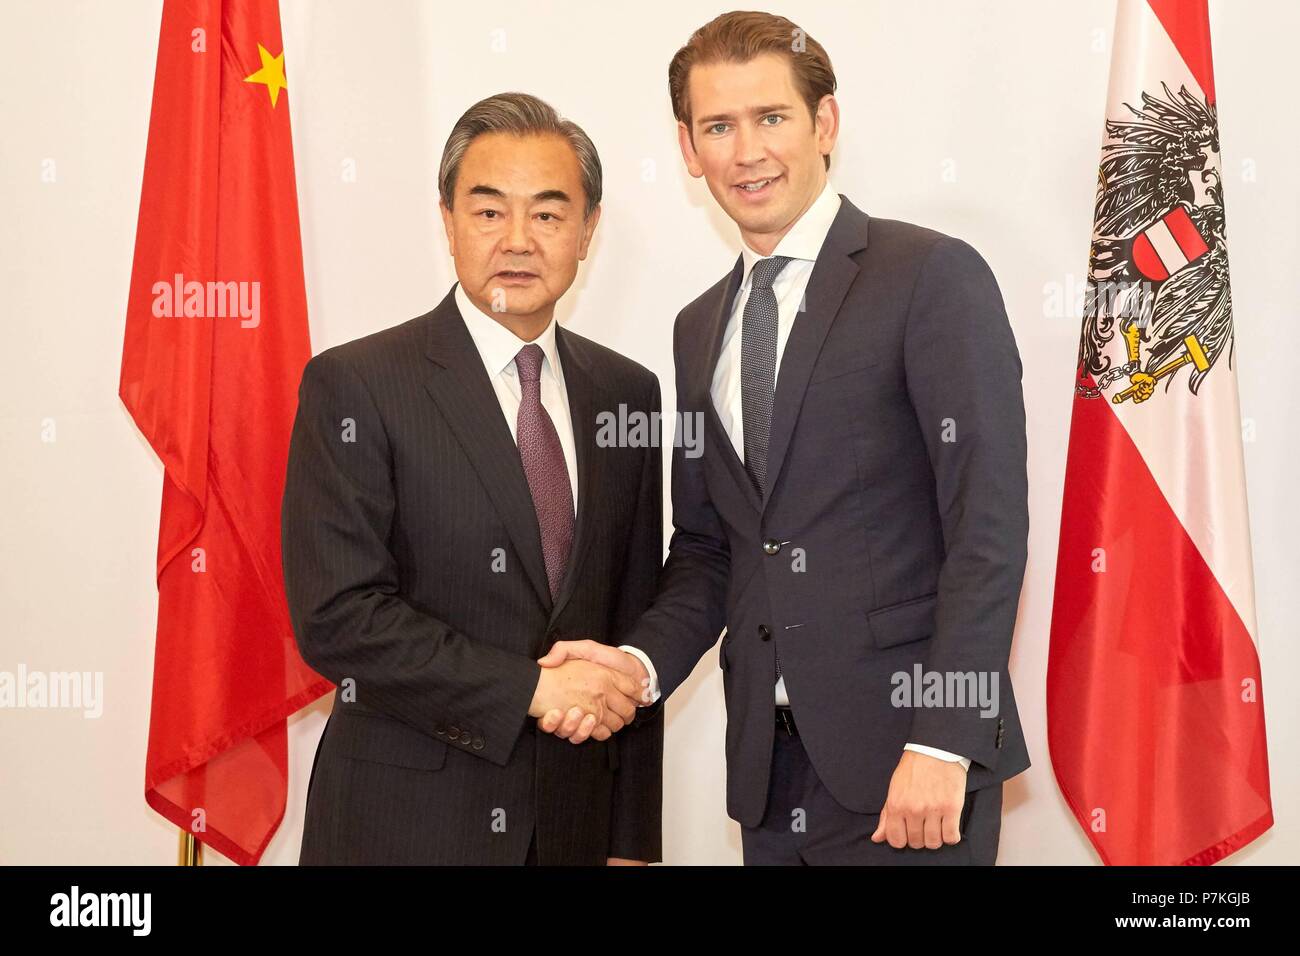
(448, 513)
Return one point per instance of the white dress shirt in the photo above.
(801, 244)
(497, 347)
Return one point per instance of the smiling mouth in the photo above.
(517, 275)
(756, 186)
(757, 189)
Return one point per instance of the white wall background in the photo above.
(1006, 96)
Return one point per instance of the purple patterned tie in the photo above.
(548, 475)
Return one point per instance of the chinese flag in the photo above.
(1154, 701)
(216, 340)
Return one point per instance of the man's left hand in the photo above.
(923, 809)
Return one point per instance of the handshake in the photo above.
(588, 689)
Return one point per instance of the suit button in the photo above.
(437, 729)
(477, 743)
(465, 737)
(764, 632)
(453, 732)
(771, 546)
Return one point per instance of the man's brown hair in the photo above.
(739, 37)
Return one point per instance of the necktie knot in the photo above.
(529, 363)
(766, 270)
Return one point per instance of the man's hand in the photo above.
(580, 723)
(619, 861)
(607, 698)
(923, 809)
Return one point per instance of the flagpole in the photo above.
(191, 850)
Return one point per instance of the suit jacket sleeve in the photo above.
(963, 377)
(636, 830)
(342, 582)
(689, 612)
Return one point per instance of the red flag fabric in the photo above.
(216, 340)
(1154, 698)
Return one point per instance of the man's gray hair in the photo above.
(522, 115)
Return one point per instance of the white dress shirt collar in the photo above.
(497, 345)
(805, 238)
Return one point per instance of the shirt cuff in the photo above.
(935, 752)
(649, 668)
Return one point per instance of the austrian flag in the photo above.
(1154, 698)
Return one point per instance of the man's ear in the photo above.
(446, 225)
(588, 230)
(688, 150)
(827, 124)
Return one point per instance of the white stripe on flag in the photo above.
(1166, 247)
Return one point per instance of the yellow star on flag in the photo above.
(271, 73)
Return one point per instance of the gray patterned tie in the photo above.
(758, 366)
(758, 371)
(544, 465)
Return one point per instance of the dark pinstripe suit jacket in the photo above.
(414, 574)
(893, 532)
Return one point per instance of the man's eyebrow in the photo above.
(546, 195)
(756, 111)
(481, 190)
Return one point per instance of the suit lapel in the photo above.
(716, 328)
(459, 383)
(582, 394)
(831, 277)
